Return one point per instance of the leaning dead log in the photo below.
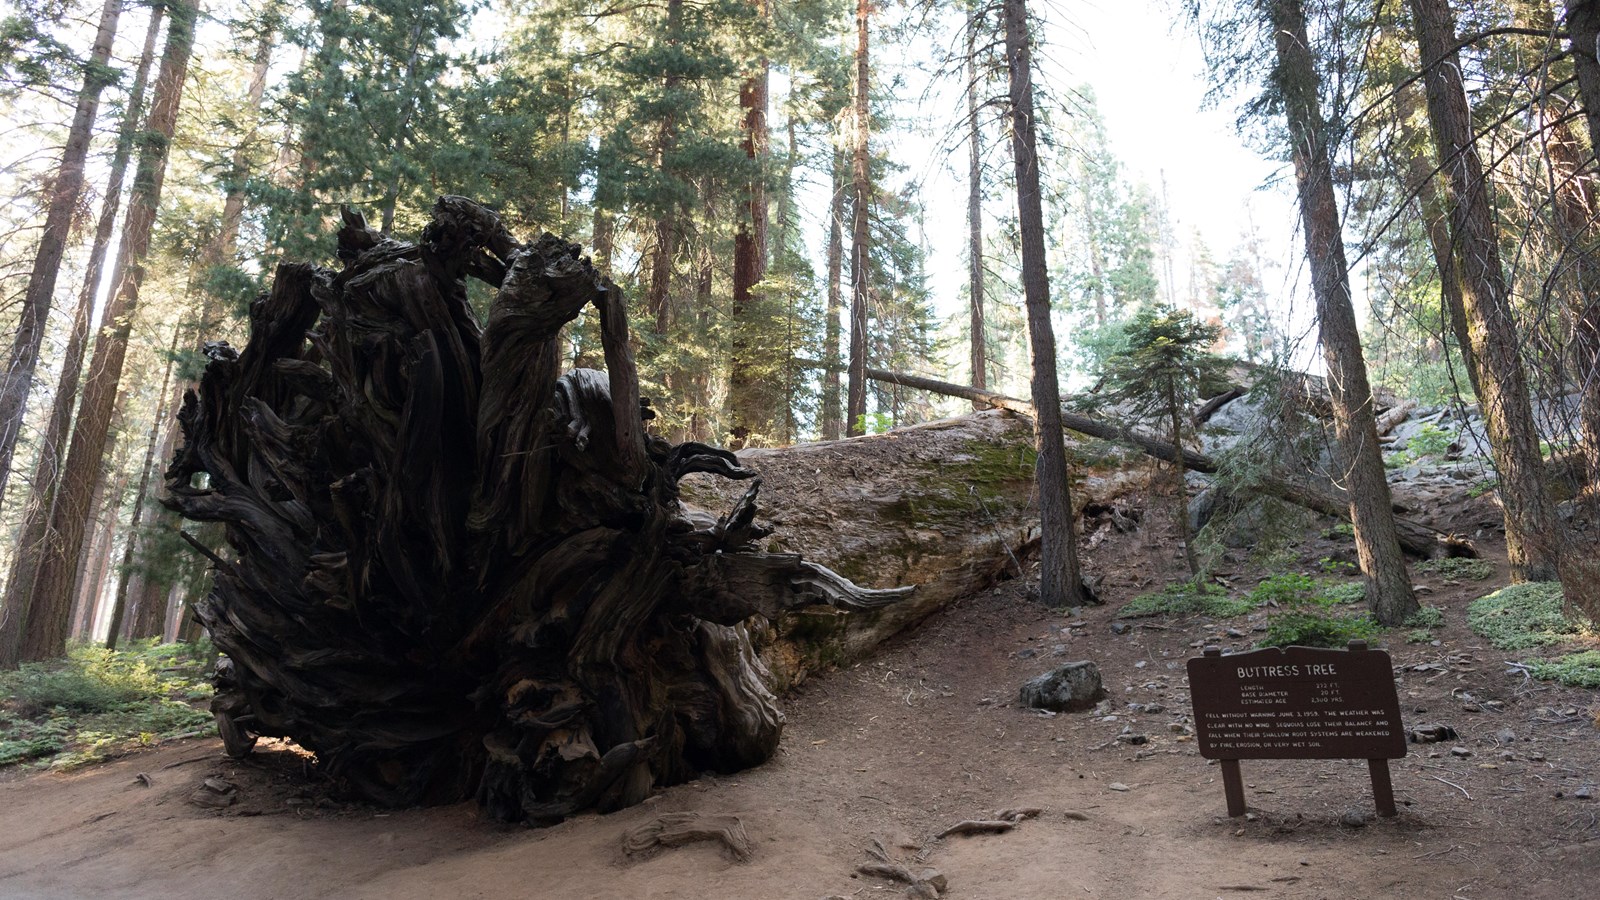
(456, 572)
(1418, 540)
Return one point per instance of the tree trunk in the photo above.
(1435, 220)
(82, 612)
(658, 299)
(119, 603)
(47, 610)
(1059, 581)
(1575, 208)
(832, 408)
(45, 484)
(1359, 455)
(978, 356)
(16, 382)
(1180, 488)
(860, 231)
(482, 583)
(1532, 542)
(749, 263)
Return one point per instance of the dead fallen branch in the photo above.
(677, 829)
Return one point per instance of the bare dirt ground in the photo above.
(897, 748)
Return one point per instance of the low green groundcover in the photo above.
(1524, 615)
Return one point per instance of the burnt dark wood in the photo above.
(1297, 703)
(457, 572)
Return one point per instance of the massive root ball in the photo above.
(456, 572)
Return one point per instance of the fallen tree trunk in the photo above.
(457, 573)
(1416, 539)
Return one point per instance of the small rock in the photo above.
(1354, 818)
(1139, 665)
(1027, 653)
(1250, 817)
(1154, 708)
(1460, 752)
(1117, 786)
(1430, 734)
(1177, 728)
(1235, 633)
(1536, 756)
(1058, 650)
(1071, 687)
(1495, 705)
(1584, 793)
(1120, 628)
(1506, 736)
(1507, 754)
(1134, 739)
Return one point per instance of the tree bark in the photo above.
(1060, 584)
(130, 551)
(832, 406)
(66, 188)
(978, 355)
(1377, 543)
(1531, 528)
(860, 231)
(481, 583)
(46, 611)
(43, 488)
(749, 260)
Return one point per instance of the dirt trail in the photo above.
(899, 748)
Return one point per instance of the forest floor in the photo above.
(899, 747)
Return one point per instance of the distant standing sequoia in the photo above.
(456, 572)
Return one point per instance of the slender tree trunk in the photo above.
(1531, 528)
(1575, 207)
(149, 598)
(749, 260)
(46, 613)
(860, 232)
(119, 603)
(658, 299)
(832, 407)
(1360, 457)
(83, 612)
(1180, 488)
(978, 355)
(16, 382)
(1435, 219)
(93, 574)
(1059, 581)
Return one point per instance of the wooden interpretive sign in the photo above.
(1297, 703)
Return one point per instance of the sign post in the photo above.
(1298, 703)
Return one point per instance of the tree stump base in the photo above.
(456, 572)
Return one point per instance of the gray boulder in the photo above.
(1072, 687)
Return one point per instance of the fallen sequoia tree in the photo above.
(1418, 540)
(456, 572)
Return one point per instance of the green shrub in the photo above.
(1458, 568)
(1419, 636)
(97, 701)
(1316, 629)
(1574, 669)
(1522, 616)
(1186, 598)
(1431, 440)
(91, 679)
(1292, 589)
(1426, 617)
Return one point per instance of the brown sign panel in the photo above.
(1297, 703)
